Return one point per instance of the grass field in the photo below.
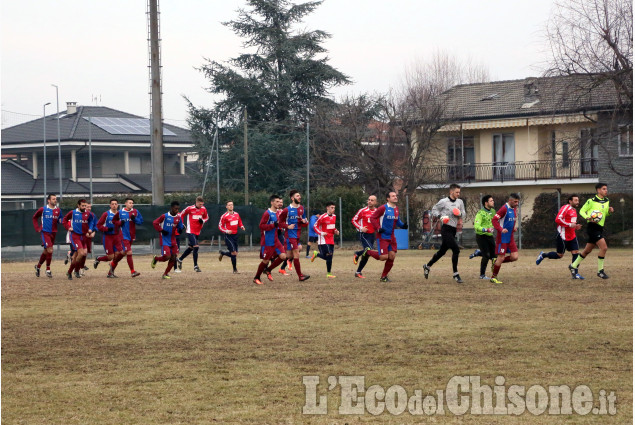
(212, 347)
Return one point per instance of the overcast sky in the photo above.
(99, 48)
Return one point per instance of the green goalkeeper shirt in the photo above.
(483, 221)
(596, 204)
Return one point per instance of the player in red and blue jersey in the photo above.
(504, 222)
(270, 246)
(45, 222)
(292, 219)
(168, 224)
(110, 224)
(130, 218)
(386, 219)
(80, 223)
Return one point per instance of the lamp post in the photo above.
(59, 144)
(622, 202)
(44, 139)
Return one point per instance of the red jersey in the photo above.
(229, 223)
(362, 219)
(325, 228)
(566, 220)
(191, 216)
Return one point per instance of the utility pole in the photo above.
(155, 106)
(246, 158)
(308, 164)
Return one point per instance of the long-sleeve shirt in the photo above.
(387, 218)
(109, 223)
(129, 221)
(362, 219)
(292, 215)
(483, 222)
(46, 219)
(79, 222)
(229, 223)
(169, 223)
(268, 226)
(312, 221)
(445, 207)
(566, 220)
(505, 218)
(325, 228)
(191, 216)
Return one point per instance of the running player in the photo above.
(450, 210)
(45, 222)
(386, 219)
(313, 237)
(595, 229)
(79, 222)
(285, 264)
(167, 224)
(229, 224)
(567, 221)
(292, 219)
(130, 217)
(366, 232)
(326, 229)
(194, 217)
(485, 234)
(270, 247)
(504, 222)
(110, 224)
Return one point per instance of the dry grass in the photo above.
(212, 347)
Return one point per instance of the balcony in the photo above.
(512, 171)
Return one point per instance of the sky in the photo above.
(96, 52)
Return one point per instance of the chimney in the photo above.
(71, 107)
(531, 91)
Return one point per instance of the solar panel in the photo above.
(135, 126)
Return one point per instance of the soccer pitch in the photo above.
(213, 347)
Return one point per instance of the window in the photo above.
(589, 152)
(504, 155)
(565, 154)
(461, 161)
(625, 140)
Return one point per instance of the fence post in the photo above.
(341, 219)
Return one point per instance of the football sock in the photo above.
(261, 268)
(329, 263)
(169, 267)
(496, 270)
(577, 261)
(484, 262)
(308, 247)
(49, 257)
(276, 263)
(284, 265)
(600, 263)
(553, 255)
(508, 259)
(226, 253)
(130, 263)
(103, 258)
(455, 261)
(195, 255)
(163, 258)
(387, 267)
(362, 264)
(373, 254)
(296, 264)
(233, 257)
(42, 259)
(186, 253)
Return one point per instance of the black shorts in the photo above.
(487, 245)
(326, 249)
(313, 238)
(595, 232)
(367, 240)
(231, 242)
(192, 239)
(562, 245)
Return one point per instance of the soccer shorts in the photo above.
(503, 248)
(192, 239)
(127, 245)
(169, 250)
(269, 252)
(77, 241)
(326, 249)
(112, 244)
(487, 245)
(48, 239)
(313, 239)
(367, 240)
(386, 245)
(595, 232)
(231, 242)
(562, 245)
(292, 243)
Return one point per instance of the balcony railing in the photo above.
(512, 171)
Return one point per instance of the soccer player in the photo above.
(595, 229)
(292, 219)
(504, 222)
(326, 229)
(285, 264)
(80, 222)
(45, 222)
(167, 224)
(313, 237)
(109, 223)
(385, 219)
(130, 217)
(485, 234)
(229, 224)
(366, 232)
(194, 217)
(270, 246)
(450, 210)
(567, 221)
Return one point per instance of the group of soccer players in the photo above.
(281, 230)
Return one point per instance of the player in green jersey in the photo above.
(595, 228)
(485, 234)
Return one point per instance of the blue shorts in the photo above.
(562, 245)
(192, 239)
(231, 242)
(367, 240)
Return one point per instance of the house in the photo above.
(120, 160)
(531, 136)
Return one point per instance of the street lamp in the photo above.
(59, 144)
(44, 127)
(622, 202)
